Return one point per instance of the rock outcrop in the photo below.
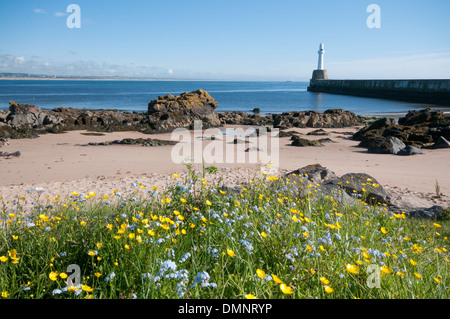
(335, 118)
(358, 185)
(417, 129)
(170, 112)
(164, 114)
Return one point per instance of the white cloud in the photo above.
(170, 71)
(60, 14)
(20, 60)
(37, 10)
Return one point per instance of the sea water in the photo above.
(269, 97)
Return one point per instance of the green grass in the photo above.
(236, 240)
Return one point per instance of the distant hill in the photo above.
(47, 76)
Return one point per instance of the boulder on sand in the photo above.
(364, 185)
(409, 150)
(386, 145)
(169, 112)
(441, 143)
(27, 116)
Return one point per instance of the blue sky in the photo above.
(226, 39)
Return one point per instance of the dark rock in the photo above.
(354, 183)
(386, 145)
(8, 155)
(259, 131)
(287, 134)
(253, 148)
(426, 117)
(28, 116)
(238, 141)
(441, 143)
(315, 173)
(132, 141)
(329, 119)
(417, 128)
(318, 132)
(170, 112)
(326, 140)
(426, 213)
(302, 142)
(409, 150)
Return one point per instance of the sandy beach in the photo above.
(57, 164)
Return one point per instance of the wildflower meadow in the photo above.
(271, 237)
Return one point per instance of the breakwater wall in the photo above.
(435, 92)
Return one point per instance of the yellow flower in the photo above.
(286, 289)
(322, 248)
(109, 226)
(230, 253)
(276, 279)
(328, 289)
(413, 262)
(83, 223)
(208, 203)
(418, 275)
(416, 249)
(127, 246)
(383, 230)
(352, 269)
(99, 245)
(400, 274)
(250, 296)
(151, 232)
(260, 273)
(5, 294)
(437, 225)
(386, 269)
(87, 288)
(263, 234)
(294, 218)
(324, 280)
(131, 235)
(313, 271)
(53, 275)
(437, 280)
(97, 274)
(3, 259)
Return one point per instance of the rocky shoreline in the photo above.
(164, 115)
(406, 136)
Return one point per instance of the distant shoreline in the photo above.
(138, 80)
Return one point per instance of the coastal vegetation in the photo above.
(272, 237)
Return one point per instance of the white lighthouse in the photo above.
(320, 73)
(321, 54)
